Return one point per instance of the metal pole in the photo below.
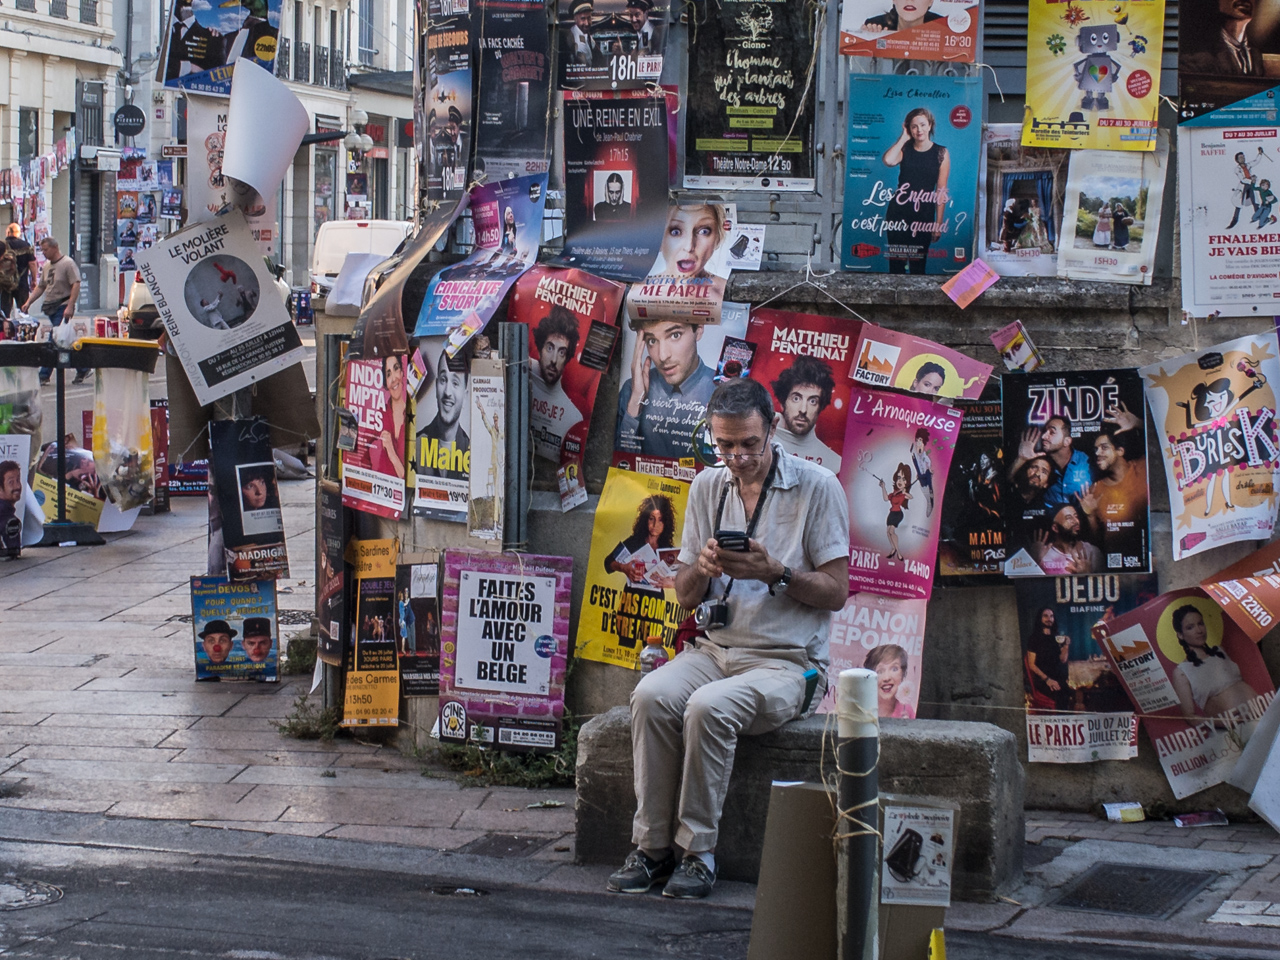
(60, 373)
(514, 340)
(857, 747)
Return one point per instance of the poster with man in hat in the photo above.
(236, 631)
(610, 44)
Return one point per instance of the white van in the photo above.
(337, 238)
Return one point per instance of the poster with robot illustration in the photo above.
(1093, 74)
(1215, 410)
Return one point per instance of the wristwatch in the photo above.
(780, 585)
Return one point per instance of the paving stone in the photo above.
(316, 759)
(62, 751)
(271, 827)
(57, 804)
(94, 737)
(433, 838)
(342, 777)
(117, 703)
(122, 720)
(95, 770)
(541, 822)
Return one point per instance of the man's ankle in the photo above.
(706, 856)
(655, 854)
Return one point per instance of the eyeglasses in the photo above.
(739, 457)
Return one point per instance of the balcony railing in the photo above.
(321, 76)
(27, 5)
(282, 58)
(89, 12)
(338, 70)
(58, 8)
(302, 63)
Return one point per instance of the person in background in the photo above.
(25, 266)
(60, 286)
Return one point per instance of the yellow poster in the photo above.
(81, 507)
(630, 587)
(1093, 74)
(373, 673)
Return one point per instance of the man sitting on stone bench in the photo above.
(764, 599)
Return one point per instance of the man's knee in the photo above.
(710, 714)
(651, 699)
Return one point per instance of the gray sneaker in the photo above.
(692, 880)
(639, 873)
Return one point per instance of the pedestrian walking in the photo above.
(17, 270)
(60, 286)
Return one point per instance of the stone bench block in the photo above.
(974, 764)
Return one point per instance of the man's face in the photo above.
(217, 646)
(582, 19)
(801, 408)
(1055, 437)
(1067, 521)
(1038, 475)
(613, 193)
(638, 18)
(742, 441)
(552, 358)
(451, 392)
(1236, 9)
(255, 493)
(48, 249)
(257, 649)
(673, 349)
(1104, 453)
(11, 487)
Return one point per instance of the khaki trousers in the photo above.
(685, 720)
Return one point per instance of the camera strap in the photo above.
(755, 515)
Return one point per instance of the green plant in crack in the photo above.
(309, 722)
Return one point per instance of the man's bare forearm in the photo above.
(691, 585)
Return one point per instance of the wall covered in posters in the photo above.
(911, 173)
(1215, 410)
(749, 118)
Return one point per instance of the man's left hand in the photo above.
(752, 564)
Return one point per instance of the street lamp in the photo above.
(357, 142)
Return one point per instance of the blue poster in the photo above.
(236, 632)
(206, 39)
(507, 218)
(911, 176)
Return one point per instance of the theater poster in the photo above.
(884, 635)
(1112, 214)
(203, 41)
(1093, 74)
(449, 123)
(1076, 454)
(629, 594)
(688, 278)
(610, 44)
(418, 628)
(506, 650)
(803, 360)
(668, 376)
(897, 450)
(244, 474)
(616, 153)
(1227, 64)
(1215, 410)
(487, 498)
(749, 122)
(1229, 180)
(507, 218)
(1077, 708)
(442, 447)
(887, 358)
(515, 89)
(331, 574)
(1021, 192)
(911, 173)
(1249, 591)
(971, 543)
(573, 328)
(236, 635)
(1199, 682)
(373, 474)
(944, 30)
(15, 458)
(372, 691)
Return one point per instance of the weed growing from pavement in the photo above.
(309, 722)
(300, 655)
(483, 766)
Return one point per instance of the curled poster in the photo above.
(971, 543)
(1200, 683)
(1249, 591)
(750, 112)
(448, 107)
(629, 593)
(1112, 215)
(688, 278)
(506, 651)
(515, 86)
(911, 176)
(1076, 463)
(373, 474)
(897, 450)
(923, 30)
(887, 358)
(1021, 191)
(885, 635)
(442, 450)
(1215, 410)
(610, 44)
(616, 174)
(1077, 708)
(803, 360)
(1093, 74)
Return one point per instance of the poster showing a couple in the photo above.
(1021, 192)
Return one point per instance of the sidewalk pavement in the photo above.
(104, 734)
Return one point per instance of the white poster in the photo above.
(1020, 199)
(505, 635)
(260, 102)
(1228, 181)
(1081, 737)
(488, 445)
(918, 852)
(1111, 218)
(15, 459)
(220, 307)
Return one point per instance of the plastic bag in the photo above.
(122, 437)
(20, 410)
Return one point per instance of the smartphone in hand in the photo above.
(735, 540)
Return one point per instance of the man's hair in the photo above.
(805, 370)
(49, 240)
(560, 321)
(614, 178)
(13, 230)
(739, 399)
(1064, 420)
(8, 467)
(1114, 438)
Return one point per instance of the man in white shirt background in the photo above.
(804, 391)
(552, 413)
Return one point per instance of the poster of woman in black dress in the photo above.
(923, 170)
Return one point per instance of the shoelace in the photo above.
(637, 859)
(699, 869)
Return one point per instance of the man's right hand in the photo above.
(1030, 440)
(640, 366)
(709, 561)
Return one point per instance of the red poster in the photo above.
(373, 473)
(897, 451)
(803, 359)
(1249, 591)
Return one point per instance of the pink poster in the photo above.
(887, 636)
(887, 358)
(897, 451)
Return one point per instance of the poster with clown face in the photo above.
(1215, 409)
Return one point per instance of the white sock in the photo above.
(707, 857)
